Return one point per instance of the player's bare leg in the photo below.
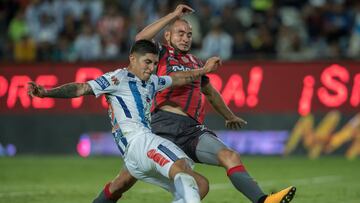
(114, 189)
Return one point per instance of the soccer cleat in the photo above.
(284, 196)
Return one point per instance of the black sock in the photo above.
(262, 199)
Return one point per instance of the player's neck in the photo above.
(133, 71)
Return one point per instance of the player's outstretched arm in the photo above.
(217, 102)
(185, 77)
(69, 90)
(151, 30)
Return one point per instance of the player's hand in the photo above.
(212, 64)
(182, 10)
(35, 90)
(235, 123)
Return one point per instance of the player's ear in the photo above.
(132, 58)
(167, 35)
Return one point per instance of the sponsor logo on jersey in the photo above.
(102, 82)
(161, 81)
(157, 157)
(115, 80)
(180, 68)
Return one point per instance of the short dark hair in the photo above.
(143, 47)
(171, 24)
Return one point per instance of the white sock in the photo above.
(187, 188)
(178, 201)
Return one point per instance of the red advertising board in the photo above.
(255, 86)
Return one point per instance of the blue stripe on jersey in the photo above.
(153, 90)
(138, 100)
(168, 153)
(124, 141)
(118, 136)
(124, 107)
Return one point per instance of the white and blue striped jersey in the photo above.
(129, 100)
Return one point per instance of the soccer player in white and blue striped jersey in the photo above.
(129, 92)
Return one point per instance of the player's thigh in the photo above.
(169, 157)
(208, 147)
(152, 154)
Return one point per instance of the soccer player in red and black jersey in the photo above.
(178, 114)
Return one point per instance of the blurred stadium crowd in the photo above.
(87, 30)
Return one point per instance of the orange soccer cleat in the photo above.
(284, 196)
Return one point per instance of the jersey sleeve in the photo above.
(161, 82)
(104, 84)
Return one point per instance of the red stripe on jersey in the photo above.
(188, 97)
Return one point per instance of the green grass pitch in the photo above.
(70, 179)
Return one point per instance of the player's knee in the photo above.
(179, 166)
(228, 158)
(182, 167)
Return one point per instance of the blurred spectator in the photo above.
(261, 5)
(354, 44)
(242, 47)
(24, 49)
(112, 29)
(71, 28)
(46, 36)
(287, 29)
(337, 26)
(217, 42)
(64, 51)
(87, 46)
(289, 45)
(262, 42)
(230, 23)
(18, 27)
(219, 6)
(204, 18)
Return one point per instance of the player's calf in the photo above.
(114, 190)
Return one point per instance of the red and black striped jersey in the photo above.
(188, 97)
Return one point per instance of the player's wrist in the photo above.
(203, 71)
(173, 15)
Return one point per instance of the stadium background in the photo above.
(291, 70)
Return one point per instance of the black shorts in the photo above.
(184, 131)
